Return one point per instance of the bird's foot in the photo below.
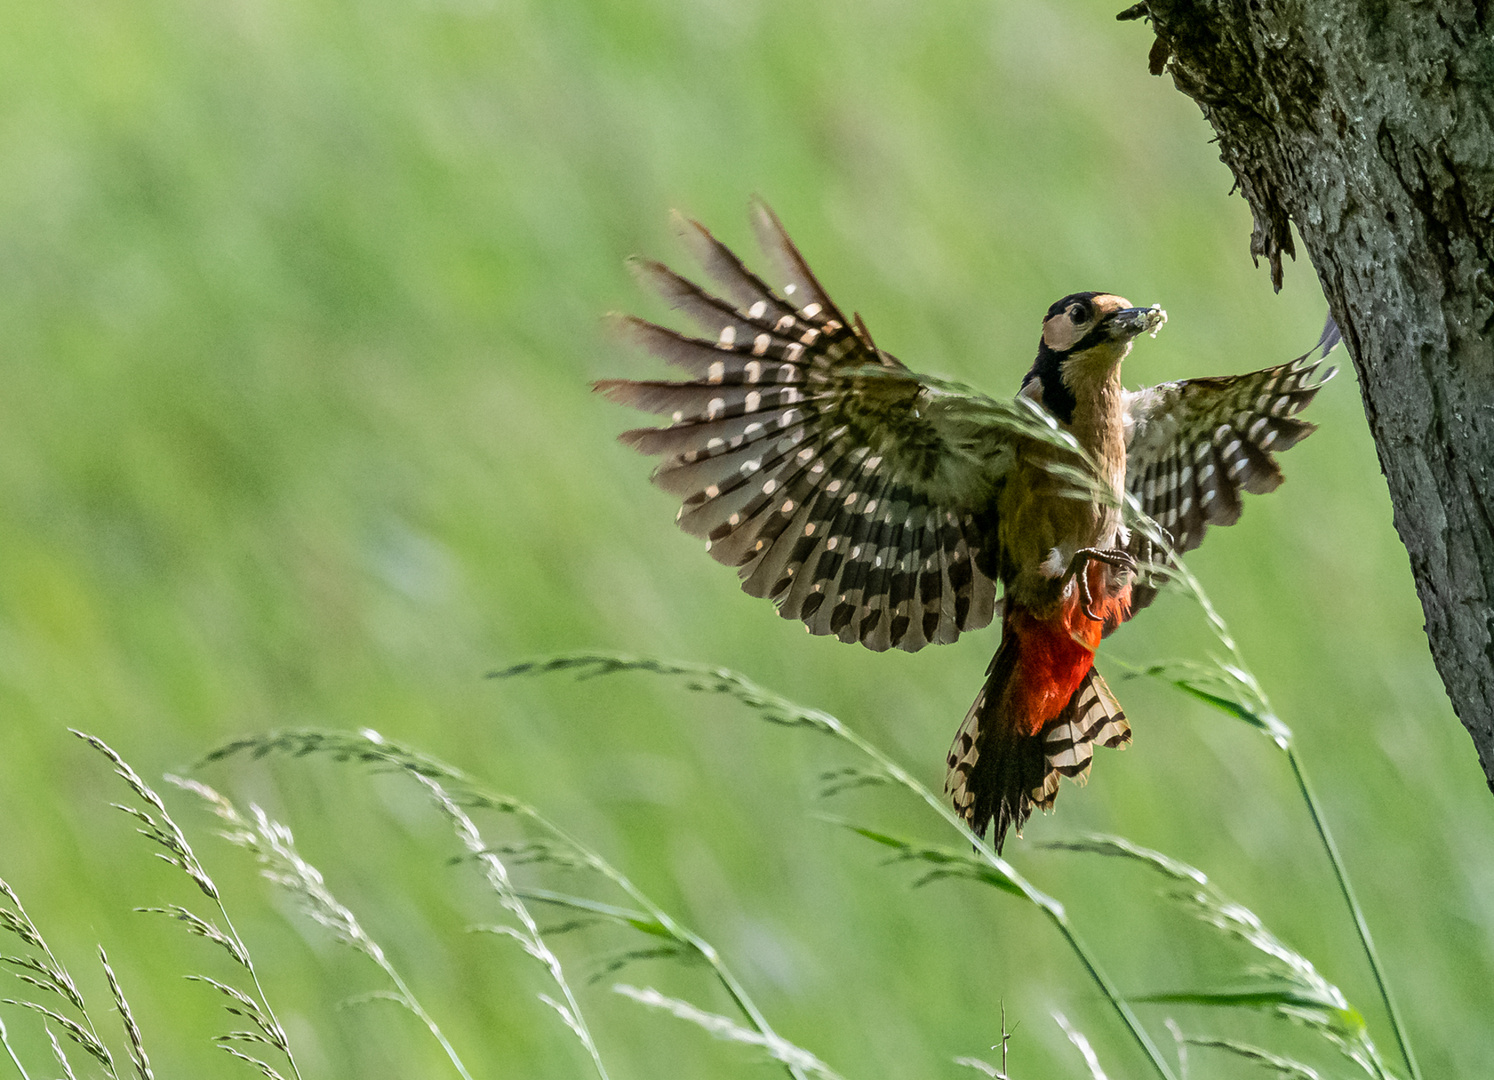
(1079, 567)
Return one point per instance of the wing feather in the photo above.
(853, 493)
(800, 285)
(1193, 446)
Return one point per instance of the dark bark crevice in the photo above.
(1369, 124)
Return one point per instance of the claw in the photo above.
(1079, 567)
(1086, 599)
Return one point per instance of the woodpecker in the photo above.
(886, 507)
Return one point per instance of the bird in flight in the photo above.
(883, 506)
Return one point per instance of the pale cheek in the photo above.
(1060, 334)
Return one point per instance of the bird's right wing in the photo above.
(1193, 446)
(854, 493)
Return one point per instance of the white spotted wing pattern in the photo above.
(1193, 446)
(841, 485)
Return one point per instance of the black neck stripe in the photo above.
(1057, 398)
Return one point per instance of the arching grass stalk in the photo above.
(779, 710)
(37, 966)
(527, 933)
(524, 929)
(370, 748)
(11, 1052)
(1232, 688)
(1281, 982)
(274, 848)
(156, 824)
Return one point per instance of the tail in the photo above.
(1040, 713)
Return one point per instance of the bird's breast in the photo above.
(1043, 520)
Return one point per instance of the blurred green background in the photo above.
(300, 305)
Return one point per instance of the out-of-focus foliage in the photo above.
(298, 306)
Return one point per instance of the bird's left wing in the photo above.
(854, 493)
(1193, 446)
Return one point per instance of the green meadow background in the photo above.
(299, 305)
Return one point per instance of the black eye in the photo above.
(1077, 314)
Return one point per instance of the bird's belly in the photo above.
(1041, 526)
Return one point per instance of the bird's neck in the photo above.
(1098, 422)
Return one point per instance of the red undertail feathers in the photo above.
(1039, 715)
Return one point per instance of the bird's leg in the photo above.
(1079, 568)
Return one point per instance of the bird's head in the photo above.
(1085, 337)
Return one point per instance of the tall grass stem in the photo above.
(1342, 874)
(164, 831)
(11, 1052)
(1051, 908)
(701, 947)
(780, 710)
(529, 936)
(1258, 712)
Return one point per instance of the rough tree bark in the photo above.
(1370, 125)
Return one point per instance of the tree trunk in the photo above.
(1370, 125)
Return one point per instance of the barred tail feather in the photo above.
(1092, 716)
(994, 766)
(1006, 761)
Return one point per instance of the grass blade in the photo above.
(777, 709)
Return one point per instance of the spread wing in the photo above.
(1193, 446)
(855, 494)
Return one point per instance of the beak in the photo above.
(1130, 322)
